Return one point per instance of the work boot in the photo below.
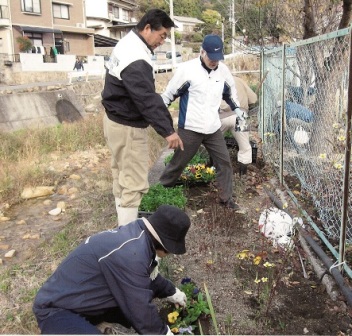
(243, 168)
(126, 215)
(230, 204)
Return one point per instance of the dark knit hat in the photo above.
(171, 224)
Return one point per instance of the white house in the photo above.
(186, 25)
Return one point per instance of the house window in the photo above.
(125, 15)
(114, 11)
(4, 12)
(30, 6)
(60, 11)
(36, 38)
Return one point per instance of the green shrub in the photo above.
(159, 195)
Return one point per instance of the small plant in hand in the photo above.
(159, 195)
(183, 320)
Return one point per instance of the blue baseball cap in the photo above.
(214, 47)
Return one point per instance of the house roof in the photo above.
(186, 19)
(104, 41)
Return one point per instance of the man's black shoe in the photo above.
(243, 169)
(230, 204)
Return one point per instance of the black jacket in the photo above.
(110, 269)
(129, 95)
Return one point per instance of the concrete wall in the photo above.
(37, 109)
(34, 106)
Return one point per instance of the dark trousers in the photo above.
(65, 322)
(216, 146)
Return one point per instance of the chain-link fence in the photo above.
(305, 127)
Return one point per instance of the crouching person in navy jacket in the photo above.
(110, 278)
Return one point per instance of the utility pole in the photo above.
(173, 48)
(233, 25)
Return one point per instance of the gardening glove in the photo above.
(241, 125)
(241, 114)
(169, 332)
(179, 298)
(155, 271)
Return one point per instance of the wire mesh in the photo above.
(306, 86)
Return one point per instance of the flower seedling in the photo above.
(184, 320)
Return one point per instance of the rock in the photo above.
(4, 247)
(61, 205)
(62, 190)
(10, 254)
(37, 192)
(75, 177)
(72, 191)
(21, 222)
(1, 262)
(55, 212)
(4, 219)
(47, 202)
(90, 108)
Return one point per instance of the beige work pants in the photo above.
(244, 154)
(129, 161)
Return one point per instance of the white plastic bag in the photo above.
(277, 225)
(301, 136)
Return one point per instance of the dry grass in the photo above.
(25, 160)
(25, 155)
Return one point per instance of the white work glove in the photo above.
(241, 114)
(241, 125)
(179, 298)
(169, 332)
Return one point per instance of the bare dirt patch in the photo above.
(287, 303)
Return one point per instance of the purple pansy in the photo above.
(185, 280)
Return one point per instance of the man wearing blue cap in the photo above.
(202, 84)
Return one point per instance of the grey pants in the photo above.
(216, 147)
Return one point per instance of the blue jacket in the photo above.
(109, 269)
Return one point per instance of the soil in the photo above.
(287, 304)
(222, 246)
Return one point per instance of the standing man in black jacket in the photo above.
(131, 105)
(110, 278)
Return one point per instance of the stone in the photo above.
(55, 212)
(4, 246)
(37, 192)
(61, 205)
(4, 219)
(10, 254)
(75, 177)
(21, 222)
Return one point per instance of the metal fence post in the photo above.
(282, 128)
(346, 178)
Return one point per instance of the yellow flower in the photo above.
(341, 138)
(338, 165)
(172, 317)
(336, 125)
(174, 330)
(257, 260)
(267, 264)
(209, 170)
(322, 156)
(257, 280)
(243, 255)
(264, 279)
(198, 176)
